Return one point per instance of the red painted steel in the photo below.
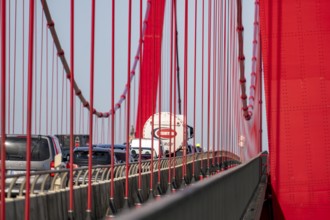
(185, 91)
(151, 64)
(91, 110)
(71, 196)
(128, 101)
(113, 17)
(195, 69)
(29, 108)
(295, 46)
(3, 107)
(202, 105)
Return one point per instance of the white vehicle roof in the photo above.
(146, 143)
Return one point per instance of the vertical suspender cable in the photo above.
(128, 98)
(52, 93)
(3, 107)
(160, 125)
(208, 86)
(219, 86)
(35, 68)
(47, 82)
(29, 110)
(41, 61)
(9, 67)
(140, 101)
(214, 81)
(171, 94)
(151, 190)
(202, 112)
(66, 103)
(225, 76)
(71, 204)
(57, 94)
(185, 93)
(175, 89)
(91, 111)
(14, 92)
(112, 185)
(194, 114)
(62, 105)
(23, 66)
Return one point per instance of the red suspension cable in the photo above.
(35, 70)
(140, 102)
(202, 105)
(194, 108)
(15, 44)
(128, 101)
(41, 62)
(112, 185)
(23, 66)
(9, 68)
(47, 82)
(29, 110)
(3, 108)
(209, 85)
(91, 110)
(71, 196)
(185, 114)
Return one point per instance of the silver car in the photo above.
(45, 155)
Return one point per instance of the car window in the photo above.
(121, 157)
(16, 149)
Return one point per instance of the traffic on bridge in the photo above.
(144, 109)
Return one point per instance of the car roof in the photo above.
(97, 148)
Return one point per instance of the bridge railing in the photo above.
(223, 196)
(51, 195)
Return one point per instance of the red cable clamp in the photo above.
(94, 111)
(86, 105)
(51, 24)
(241, 58)
(78, 92)
(254, 58)
(123, 97)
(243, 97)
(68, 76)
(255, 42)
(242, 80)
(118, 105)
(133, 72)
(245, 108)
(107, 115)
(137, 57)
(256, 23)
(60, 53)
(253, 87)
(251, 97)
(248, 116)
(101, 115)
(240, 28)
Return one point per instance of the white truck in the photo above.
(168, 129)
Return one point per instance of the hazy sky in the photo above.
(60, 11)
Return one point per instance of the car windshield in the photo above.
(98, 157)
(16, 149)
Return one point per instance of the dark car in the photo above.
(101, 155)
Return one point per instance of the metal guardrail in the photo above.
(51, 195)
(42, 181)
(222, 196)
